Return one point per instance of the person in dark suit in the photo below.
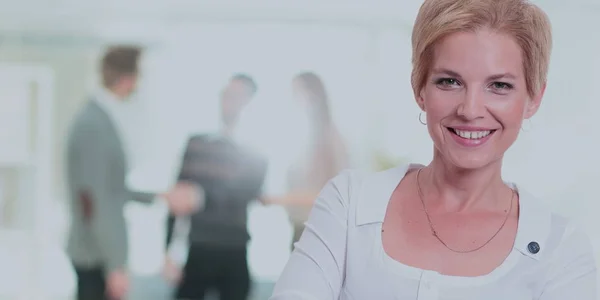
(97, 166)
(231, 176)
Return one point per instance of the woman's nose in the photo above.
(472, 105)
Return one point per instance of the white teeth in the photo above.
(472, 134)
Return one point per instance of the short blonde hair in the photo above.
(525, 22)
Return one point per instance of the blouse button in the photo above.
(533, 247)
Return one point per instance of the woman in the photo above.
(323, 158)
(452, 229)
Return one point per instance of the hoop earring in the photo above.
(421, 119)
(526, 125)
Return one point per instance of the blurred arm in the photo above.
(298, 198)
(102, 198)
(248, 184)
(142, 197)
(170, 226)
(339, 160)
(184, 175)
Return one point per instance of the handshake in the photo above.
(184, 198)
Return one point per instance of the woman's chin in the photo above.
(471, 161)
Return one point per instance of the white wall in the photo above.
(73, 13)
(185, 90)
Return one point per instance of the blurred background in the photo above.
(49, 58)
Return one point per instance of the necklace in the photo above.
(434, 232)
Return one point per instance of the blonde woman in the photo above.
(452, 229)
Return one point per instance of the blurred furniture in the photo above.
(33, 264)
(26, 93)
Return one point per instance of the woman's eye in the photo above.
(501, 86)
(447, 82)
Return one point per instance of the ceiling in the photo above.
(151, 15)
(340, 11)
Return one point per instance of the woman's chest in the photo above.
(374, 282)
(445, 252)
(372, 274)
(451, 243)
(403, 288)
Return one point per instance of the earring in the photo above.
(526, 125)
(421, 119)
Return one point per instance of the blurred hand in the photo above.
(185, 198)
(117, 285)
(172, 272)
(264, 200)
(276, 200)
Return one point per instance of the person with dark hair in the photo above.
(231, 176)
(120, 69)
(97, 166)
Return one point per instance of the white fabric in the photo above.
(179, 246)
(340, 255)
(123, 114)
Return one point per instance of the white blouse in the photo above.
(341, 256)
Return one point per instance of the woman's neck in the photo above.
(459, 189)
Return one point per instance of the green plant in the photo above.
(383, 161)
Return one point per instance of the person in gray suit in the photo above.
(96, 175)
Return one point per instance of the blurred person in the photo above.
(453, 229)
(231, 176)
(323, 157)
(97, 166)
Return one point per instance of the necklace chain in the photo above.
(435, 233)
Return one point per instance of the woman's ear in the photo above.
(534, 103)
(420, 100)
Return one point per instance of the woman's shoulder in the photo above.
(365, 194)
(548, 235)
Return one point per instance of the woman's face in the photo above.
(476, 98)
